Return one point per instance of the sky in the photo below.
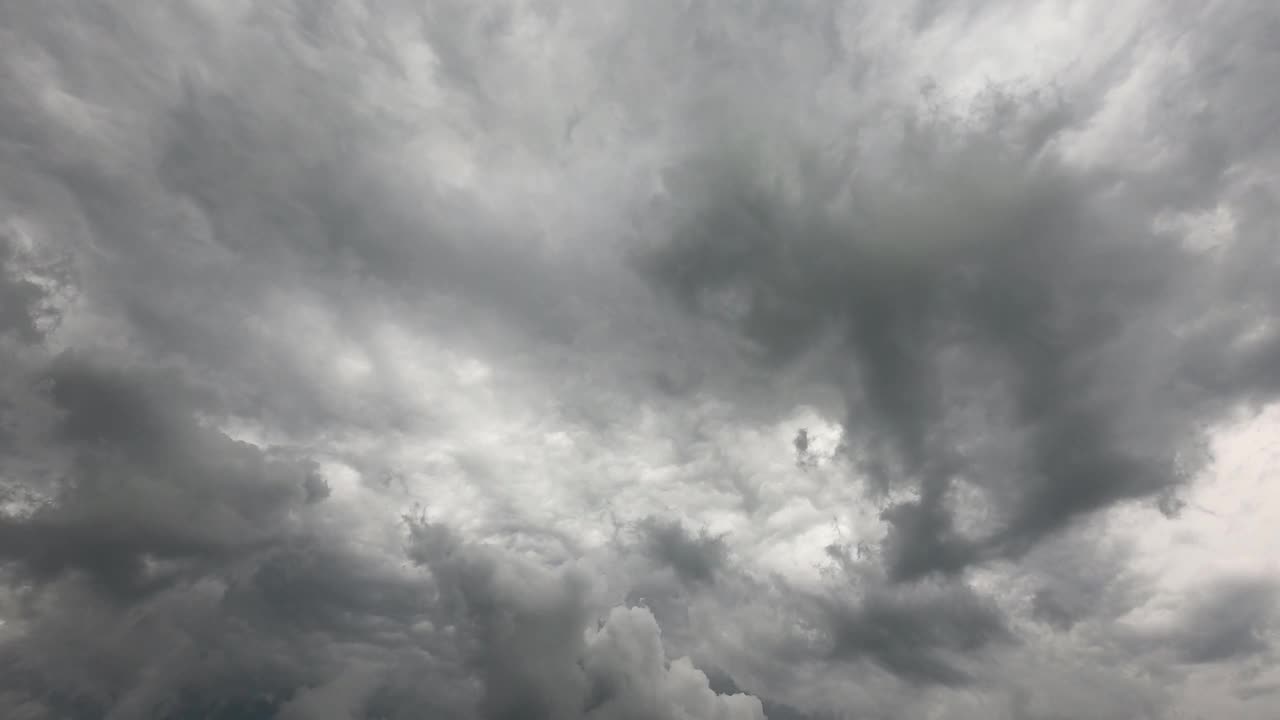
(639, 360)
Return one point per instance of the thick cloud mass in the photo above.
(629, 360)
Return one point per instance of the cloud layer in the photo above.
(623, 360)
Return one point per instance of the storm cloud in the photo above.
(627, 360)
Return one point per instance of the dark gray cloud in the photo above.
(695, 558)
(147, 485)
(20, 296)
(535, 656)
(250, 640)
(1048, 607)
(921, 636)
(565, 270)
(724, 684)
(1233, 620)
(308, 626)
(993, 257)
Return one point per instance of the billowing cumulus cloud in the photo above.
(622, 360)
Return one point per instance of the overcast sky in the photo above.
(639, 360)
